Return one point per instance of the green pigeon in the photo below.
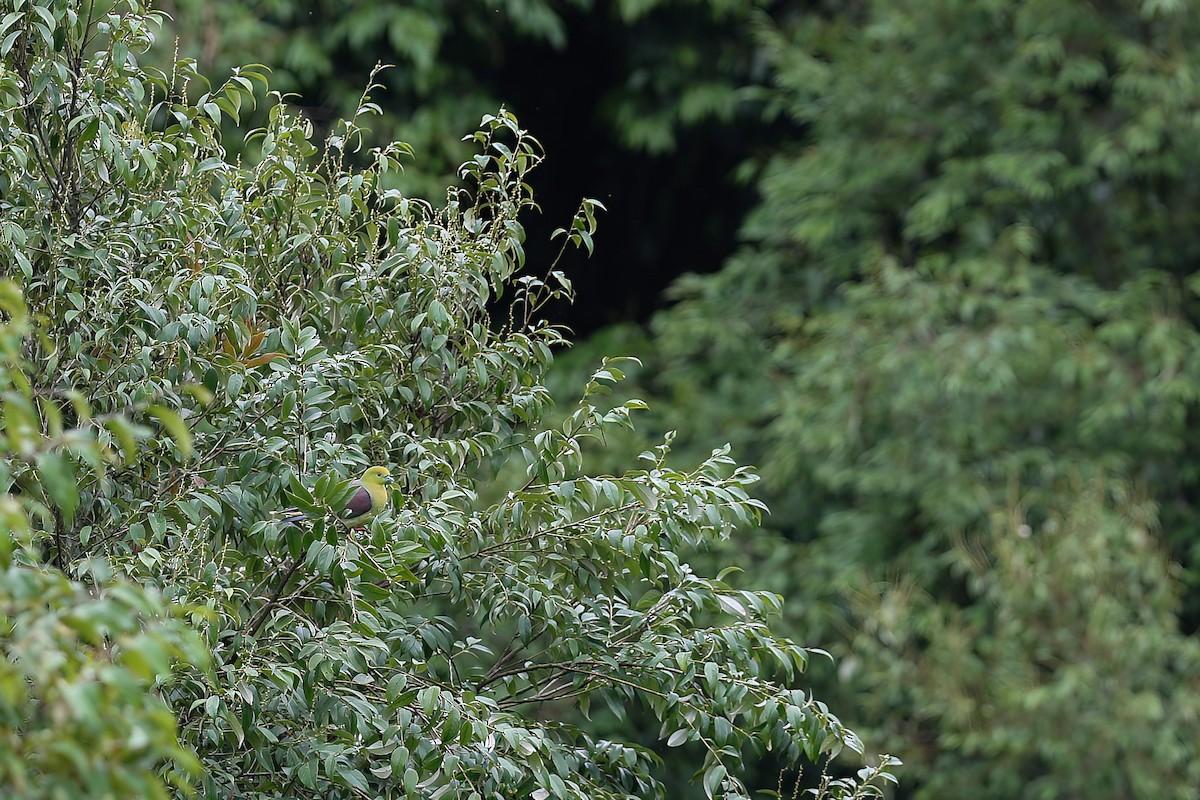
(365, 504)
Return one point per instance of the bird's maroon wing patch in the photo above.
(360, 503)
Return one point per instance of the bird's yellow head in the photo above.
(377, 476)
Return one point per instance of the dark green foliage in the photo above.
(965, 335)
(1064, 676)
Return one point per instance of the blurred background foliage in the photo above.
(932, 266)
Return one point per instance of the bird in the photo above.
(370, 499)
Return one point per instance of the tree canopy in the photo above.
(962, 341)
(191, 342)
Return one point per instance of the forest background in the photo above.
(931, 266)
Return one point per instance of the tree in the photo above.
(79, 714)
(283, 324)
(969, 293)
(1068, 649)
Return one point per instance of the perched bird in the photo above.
(370, 499)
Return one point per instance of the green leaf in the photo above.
(175, 426)
(57, 475)
(713, 777)
(126, 438)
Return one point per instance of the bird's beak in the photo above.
(388, 479)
